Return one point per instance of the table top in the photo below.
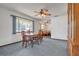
(31, 33)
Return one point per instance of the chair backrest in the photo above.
(40, 32)
(28, 31)
(24, 36)
(23, 33)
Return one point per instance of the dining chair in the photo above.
(36, 39)
(26, 39)
(40, 36)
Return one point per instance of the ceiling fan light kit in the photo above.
(43, 12)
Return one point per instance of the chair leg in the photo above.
(25, 44)
(32, 43)
(22, 44)
(41, 40)
(37, 41)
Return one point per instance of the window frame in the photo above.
(14, 18)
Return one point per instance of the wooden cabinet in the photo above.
(73, 29)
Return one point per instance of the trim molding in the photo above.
(10, 44)
(58, 39)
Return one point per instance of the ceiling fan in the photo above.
(43, 12)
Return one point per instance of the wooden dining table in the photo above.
(33, 38)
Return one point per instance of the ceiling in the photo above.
(29, 8)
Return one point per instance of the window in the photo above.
(21, 24)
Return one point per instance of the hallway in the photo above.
(48, 47)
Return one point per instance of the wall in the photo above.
(59, 27)
(36, 26)
(6, 35)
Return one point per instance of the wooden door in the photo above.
(76, 40)
(70, 36)
(73, 28)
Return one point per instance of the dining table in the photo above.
(33, 38)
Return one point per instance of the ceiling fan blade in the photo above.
(43, 12)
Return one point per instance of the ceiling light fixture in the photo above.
(43, 12)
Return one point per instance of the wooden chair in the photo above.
(26, 39)
(40, 36)
(36, 39)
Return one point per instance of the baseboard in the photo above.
(10, 43)
(58, 39)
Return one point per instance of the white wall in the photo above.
(59, 27)
(6, 35)
(36, 26)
